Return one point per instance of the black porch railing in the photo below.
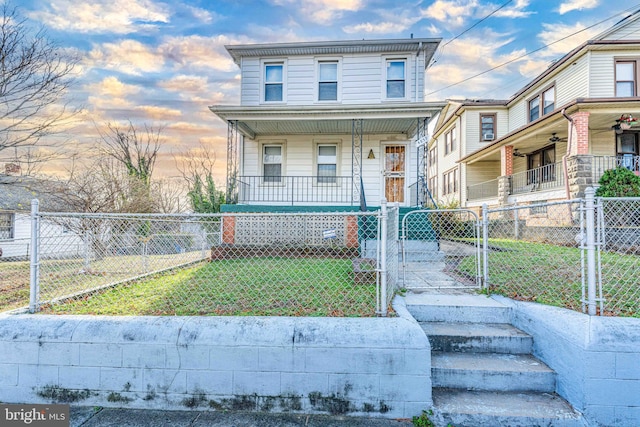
(547, 177)
(603, 163)
(297, 189)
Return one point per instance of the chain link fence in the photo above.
(303, 264)
(533, 253)
(618, 239)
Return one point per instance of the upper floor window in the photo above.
(549, 100)
(328, 81)
(625, 78)
(396, 78)
(272, 163)
(542, 103)
(6, 225)
(327, 163)
(273, 82)
(432, 157)
(450, 141)
(487, 127)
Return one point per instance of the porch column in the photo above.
(579, 161)
(506, 170)
(579, 134)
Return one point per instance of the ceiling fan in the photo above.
(556, 138)
(516, 153)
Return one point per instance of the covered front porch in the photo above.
(555, 157)
(326, 156)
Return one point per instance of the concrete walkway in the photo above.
(110, 417)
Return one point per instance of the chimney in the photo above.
(12, 169)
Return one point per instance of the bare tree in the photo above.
(136, 151)
(196, 167)
(35, 74)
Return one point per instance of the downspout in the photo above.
(565, 170)
(416, 70)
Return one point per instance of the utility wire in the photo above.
(477, 23)
(469, 29)
(529, 53)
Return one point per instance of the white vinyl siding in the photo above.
(362, 79)
(629, 31)
(250, 87)
(572, 82)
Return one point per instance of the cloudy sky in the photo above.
(161, 63)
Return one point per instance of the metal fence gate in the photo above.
(441, 249)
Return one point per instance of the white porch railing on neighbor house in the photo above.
(297, 189)
(547, 177)
(483, 190)
(600, 164)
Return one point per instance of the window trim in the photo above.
(450, 141)
(316, 145)
(283, 151)
(338, 62)
(385, 81)
(263, 78)
(636, 72)
(539, 95)
(549, 174)
(493, 125)
(10, 217)
(445, 182)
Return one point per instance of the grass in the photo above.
(60, 277)
(257, 286)
(551, 275)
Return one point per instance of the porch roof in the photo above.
(535, 135)
(327, 119)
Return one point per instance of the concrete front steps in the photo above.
(482, 369)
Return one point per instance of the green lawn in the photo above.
(251, 286)
(551, 275)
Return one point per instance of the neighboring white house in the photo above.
(336, 123)
(553, 138)
(16, 194)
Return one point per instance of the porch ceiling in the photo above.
(302, 120)
(602, 116)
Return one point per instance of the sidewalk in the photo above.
(103, 417)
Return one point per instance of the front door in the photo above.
(394, 173)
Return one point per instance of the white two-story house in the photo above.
(553, 138)
(339, 124)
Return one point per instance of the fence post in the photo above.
(34, 288)
(591, 250)
(485, 246)
(383, 258)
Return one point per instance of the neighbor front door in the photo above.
(394, 173)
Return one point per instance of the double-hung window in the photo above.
(626, 72)
(272, 163)
(534, 108)
(548, 100)
(6, 225)
(450, 141)
(328, 81)
(450, 182)
(487, 127)
(542, 103)
(327, 163)
(396, 78)
(273, 82)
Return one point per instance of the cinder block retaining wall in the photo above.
(597, 359)
(375, 367)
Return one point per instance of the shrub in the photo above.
(619, 182)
